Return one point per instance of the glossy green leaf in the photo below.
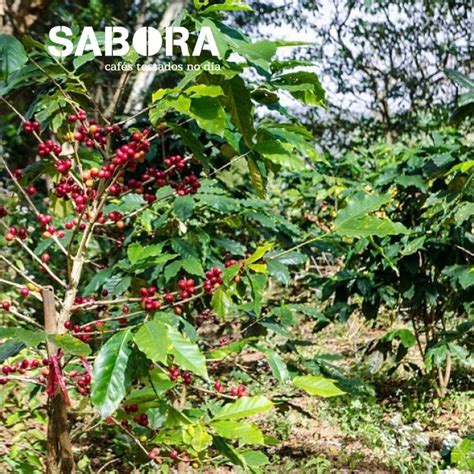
(110, 378)
(221, 302)
(238, 103)
(152, 339)
(187, 354)
(70, 344)
(27, 337)
(246, 433)
(12, 55)
(183, 207)
(259, 253)
(317, 385)
(255, 459)
(278, 366)
(243, 408)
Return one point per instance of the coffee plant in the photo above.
(137, 274)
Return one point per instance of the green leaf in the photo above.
(279, 271)
(360, 205)
(259, 253)
(370, 225)
(243, 408)
(152, 339)
(416, 181)
(460, 78)
(137, 252)
(193, 266)
(183, 207)
(353, 219)
(278, 366)
(255, 459)
(317, 385)
(413, 245)
(228, 5)
(27, 337)
(10, 348)
(462, 274)
(464, 212)
(70, 344)
(221, 302)
(259, 54)
(228, 451)
(83, 59)
(238, 103)
(98, 280)
(256, 178)
(187, 354)
(232, 348)
(110, 378)
(303, 86)
(172, 269)
(247, 433)
(279, 152)
(12, 55)
(407, 338)
(230, 273)
(209, 114)
(197, 437)
(462, 455)
(190, 141)
(204, 90)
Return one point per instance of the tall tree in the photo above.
(382, 61)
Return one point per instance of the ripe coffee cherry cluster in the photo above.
(189, 183)
(175, 373)
(239, 391)
(82, 381)
(132, 408)
(117, 217)
(44, 219)
(177, 162)
(213, 279)
(225, 340)
(48, 230)
(142, 419)
(152, 177)
(63, 166)
(91, 134)
(3, 212)
(64, 187)
(21, 233)
(206, 315)
(47, 147)
(149, 299)
(187, 287)
(154, 454)
(134, 151)
(81, 115)
(30, 126)
(20, 367)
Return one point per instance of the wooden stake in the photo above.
(59, 459)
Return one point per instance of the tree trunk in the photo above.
(59, 457)
(21, 15)
(144, 79)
